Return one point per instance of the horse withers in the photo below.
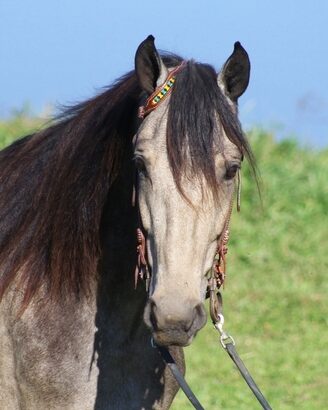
(75, 326)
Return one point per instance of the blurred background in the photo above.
(55, 53)
(64, 51)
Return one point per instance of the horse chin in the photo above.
(172, 338)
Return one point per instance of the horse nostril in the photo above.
(199, 310)
(199, 317)
(189, 321)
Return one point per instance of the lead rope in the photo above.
(168, 359)
(216, 280)
(228, 344)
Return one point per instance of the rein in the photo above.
(216, 276)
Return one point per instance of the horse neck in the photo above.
(119, 305)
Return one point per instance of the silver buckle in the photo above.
(225, 338)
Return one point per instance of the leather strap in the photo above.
(168, 359)
(161, 92)
(228, 344)
(231, 350)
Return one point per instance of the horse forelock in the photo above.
(198, 114)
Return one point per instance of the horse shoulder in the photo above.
(47, 355)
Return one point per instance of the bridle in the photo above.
(161, 92)
(216, 275)
(142, 271)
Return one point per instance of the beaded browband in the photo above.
(161, 92)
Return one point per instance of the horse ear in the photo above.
(150, 69)
(234, 76)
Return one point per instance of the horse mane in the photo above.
(54, 184)
(53, 187)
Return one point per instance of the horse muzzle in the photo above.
(174, 323)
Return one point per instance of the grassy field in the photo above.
(276, 294)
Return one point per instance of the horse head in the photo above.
(187, 154)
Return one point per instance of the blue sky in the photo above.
(63, 51)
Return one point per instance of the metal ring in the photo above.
(225, 339)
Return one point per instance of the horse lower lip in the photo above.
(167, 339)
(173, 336)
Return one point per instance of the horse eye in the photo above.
(231, 171)
(140, 165)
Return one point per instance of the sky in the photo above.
(64, 51)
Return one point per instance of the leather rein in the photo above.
(216, 275)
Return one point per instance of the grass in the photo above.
(276, 294)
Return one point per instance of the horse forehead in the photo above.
(154, 125)
(151, 138)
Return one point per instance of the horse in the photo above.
(76, 322)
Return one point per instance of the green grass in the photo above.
(275, 299)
